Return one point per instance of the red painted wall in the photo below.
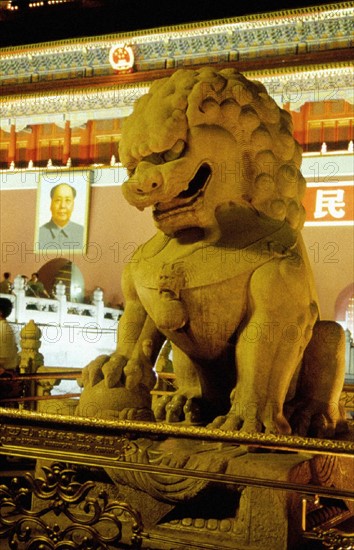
(115, 231)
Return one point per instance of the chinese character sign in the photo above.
(329, 205)
(330, 201)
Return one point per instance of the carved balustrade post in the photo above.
(99, 304)
(30, 357)
(60, 295)
(20, 303)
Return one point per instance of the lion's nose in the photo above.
(146, 179)
(146, 187)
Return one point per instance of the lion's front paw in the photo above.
(178, 408)
(105, 367)
(233, 422)
(253, 422)
(92, 373)
(133, 374)
(112, 370)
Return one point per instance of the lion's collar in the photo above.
(207, 263)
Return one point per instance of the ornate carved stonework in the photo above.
(287, 31)
(223, 42)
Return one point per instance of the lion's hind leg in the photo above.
(318, 411)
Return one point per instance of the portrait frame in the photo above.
(79, 180)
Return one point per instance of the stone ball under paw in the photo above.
(117, 403)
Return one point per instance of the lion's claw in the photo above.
(177, 408)
(92, 373)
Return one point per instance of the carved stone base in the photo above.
(226, 515)
(189, 494)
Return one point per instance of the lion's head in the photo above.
(203, 139)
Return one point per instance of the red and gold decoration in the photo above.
(121, 58)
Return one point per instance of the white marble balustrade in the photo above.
(60, 311)
(72, 333)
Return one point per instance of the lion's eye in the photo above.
(130, 168)
(154, 158)
(175, 152)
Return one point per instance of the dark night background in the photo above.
(96, 17)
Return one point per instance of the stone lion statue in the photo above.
(226, 278)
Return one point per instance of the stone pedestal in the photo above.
(219, 515)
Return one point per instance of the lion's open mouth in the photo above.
(187, 197)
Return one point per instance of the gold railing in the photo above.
(74, 442)
(72, 450)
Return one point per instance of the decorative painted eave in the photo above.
(289, 86)
(59, 65)
(287, 32)
(78, 106)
